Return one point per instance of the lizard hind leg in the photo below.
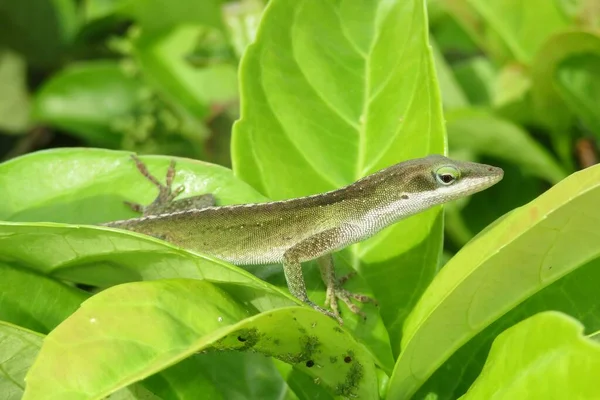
(165, 202)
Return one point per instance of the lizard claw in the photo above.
(335, 292)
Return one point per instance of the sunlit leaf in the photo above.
(186, 316)
(543, 255)
(552, 350)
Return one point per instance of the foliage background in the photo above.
(519, 87)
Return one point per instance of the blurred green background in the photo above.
(520, 84)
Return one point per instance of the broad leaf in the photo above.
(89, 100)
(552, 350)
(90, 185)
(18, 349)
(543, 255)
(322, 113)
(186, 316)
(34, 301)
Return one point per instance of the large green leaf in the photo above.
(18, 349)
(88, 100)
(522, 28)
(34, 301)
(552, 350)
(106, 344)
(90, 185)
(578, 81)
(332, 91)
(543, 255)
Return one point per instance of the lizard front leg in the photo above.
(320, 246)
(165, 202)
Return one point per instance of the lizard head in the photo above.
(437, 179)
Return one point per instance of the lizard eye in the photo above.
(447, 175)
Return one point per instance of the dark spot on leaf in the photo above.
(241, 339)
(347, 359)
(310, 363)
(404, 197)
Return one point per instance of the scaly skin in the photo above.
(307, 228)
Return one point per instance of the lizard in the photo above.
(313, 227)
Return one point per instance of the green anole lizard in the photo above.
(307, 228)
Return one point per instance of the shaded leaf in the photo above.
(553, 351)
(88, 100)
(34, 301)
(40, 30)
(18, 349)
(543, 243)
(452, 94)
(113, 326)
(166, 58)
(334, 116)
(549, 105)
(578, 82)
(14, 103)
(475, 77)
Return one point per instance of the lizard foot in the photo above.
(335, 292)
(326, 312)
(166, 194)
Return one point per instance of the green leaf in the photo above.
(18, 349)
(34, 301)
(543, 255)
(186, 316)
(40, 30)
(315, 119)
(552, 350)
(522, 28)
(14, 103)
(90, 185)
(483, 134)
(549, 104)
(219, 375)
(88, 100)
(578, 82)
(166, 58)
